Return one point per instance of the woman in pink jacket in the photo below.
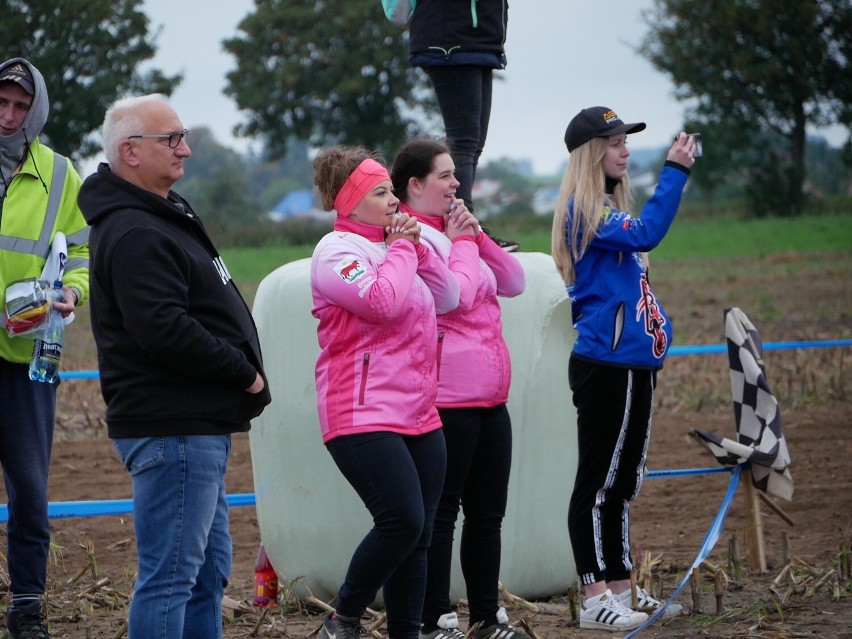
(376, 289)
(474, 373)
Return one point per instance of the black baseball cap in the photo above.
(596, 122)
(20, 74)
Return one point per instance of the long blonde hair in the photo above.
(584, 180)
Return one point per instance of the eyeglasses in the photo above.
(173, 138)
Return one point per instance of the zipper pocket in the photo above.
(440, 348)
(365, 368)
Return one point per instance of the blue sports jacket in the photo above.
(617, 317)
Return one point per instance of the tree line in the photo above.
(756, 72)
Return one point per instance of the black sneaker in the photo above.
(448, 628)
(26, 621)
(336, 628)
(509, 246)
(500, 630)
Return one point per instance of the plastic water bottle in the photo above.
(44, 365)
(265, 581)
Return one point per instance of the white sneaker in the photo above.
(646, 603)
(606, 612)
(448, 628)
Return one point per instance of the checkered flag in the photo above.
(760, 438)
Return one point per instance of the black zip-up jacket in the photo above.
(457, 32)
(177, 344)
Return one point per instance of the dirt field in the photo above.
(788, 297)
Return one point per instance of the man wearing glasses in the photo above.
(180, 367)
(38, 200)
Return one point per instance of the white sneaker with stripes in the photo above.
(606, 612)
(646, 603)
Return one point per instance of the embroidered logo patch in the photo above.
(349, 269)
(648, 312)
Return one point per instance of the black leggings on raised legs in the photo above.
(464, 96)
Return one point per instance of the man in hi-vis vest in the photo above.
(38, 199)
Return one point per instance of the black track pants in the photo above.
(613, 430)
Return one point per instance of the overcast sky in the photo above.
(564, 55)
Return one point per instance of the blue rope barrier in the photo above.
(710, 539)
(703, 349)
(79, 374)
(681, 472)
(695, 349)
(97, 508)
(103, 507)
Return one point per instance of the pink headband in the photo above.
(365, 176)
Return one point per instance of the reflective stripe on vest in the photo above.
(41, 246)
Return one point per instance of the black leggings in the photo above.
(479, 456)
(399, 479)
(464, 96)
(613, 431)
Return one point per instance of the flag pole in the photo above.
(754, 525)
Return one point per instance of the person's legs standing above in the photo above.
(177, 509)
(464, 97)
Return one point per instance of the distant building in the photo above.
(485, 194)
(544, 200)
(484, 189)
(299, 203)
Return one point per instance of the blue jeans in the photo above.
(27, 411)
(399, 478)
(464, 96)
(183, 542)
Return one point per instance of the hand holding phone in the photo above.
(698, 143)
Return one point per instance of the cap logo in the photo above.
(17, 68)
(20, 75)
(609, 116)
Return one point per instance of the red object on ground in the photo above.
(265, 581)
